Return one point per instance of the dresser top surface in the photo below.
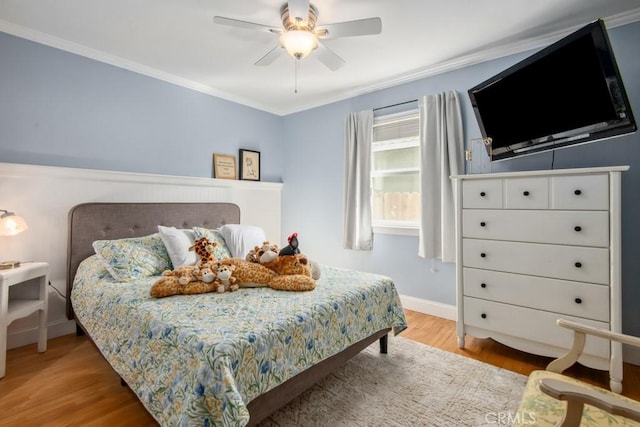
(552, 172)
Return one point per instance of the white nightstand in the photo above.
(23, 291)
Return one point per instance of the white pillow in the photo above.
(177, 241)
(242, 238)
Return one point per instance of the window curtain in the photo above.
(358, 233)
(441, 155)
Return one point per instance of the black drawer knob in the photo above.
(578, 264)
(525, 193)
(577, 192)
(482, 224)
(483, 255)
(483, 315)
(578, 300)
(483, 285)
(577, 228)
(482, 194)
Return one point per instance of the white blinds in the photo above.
(396, 126)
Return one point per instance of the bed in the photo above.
(216, 359)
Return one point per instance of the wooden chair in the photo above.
(553, 399)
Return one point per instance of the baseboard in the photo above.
(30, 335)
(431, 308)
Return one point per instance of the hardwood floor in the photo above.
(438, 332)
(72, 385)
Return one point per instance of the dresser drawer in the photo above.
(579, 263)
(482, 193)
(580, 228)
(526, 193)
(579, 299)
(580, 192)
(537, 325)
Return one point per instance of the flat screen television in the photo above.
(569, 93)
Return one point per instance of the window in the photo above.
(395, 173)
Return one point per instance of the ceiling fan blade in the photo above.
(329, 57)
(244, 24)
(271, 56)
(299, 9)
(361, 27)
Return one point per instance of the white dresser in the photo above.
(533, 247)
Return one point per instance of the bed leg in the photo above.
(383, 344)
(79, 331)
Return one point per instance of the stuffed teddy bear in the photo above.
(266, 253)
(269, 252)
(286, 273)
(315, 269)
(224, 276)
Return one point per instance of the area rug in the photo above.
(413, 385)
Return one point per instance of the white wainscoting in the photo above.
(43, 196)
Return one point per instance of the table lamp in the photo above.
(10, 225)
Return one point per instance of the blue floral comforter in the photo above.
(199, 359)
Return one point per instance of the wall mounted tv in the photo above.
(568, 93)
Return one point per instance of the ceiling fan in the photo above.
(299, 34)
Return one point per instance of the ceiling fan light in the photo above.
(298, 43)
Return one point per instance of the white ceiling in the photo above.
(177, 41)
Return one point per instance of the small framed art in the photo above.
(249, 165)
(224, 166)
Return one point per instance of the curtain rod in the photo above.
(395, 105)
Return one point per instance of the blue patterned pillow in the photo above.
(133, 258)
(222, 250)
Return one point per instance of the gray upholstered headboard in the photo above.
(98, 221)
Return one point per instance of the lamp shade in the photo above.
(11, 224)
(298, 43)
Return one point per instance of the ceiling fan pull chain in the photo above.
(296, 75)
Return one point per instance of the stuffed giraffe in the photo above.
(203, 280)
(204, 250)
(224, 276)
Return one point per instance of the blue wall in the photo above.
(60, 109)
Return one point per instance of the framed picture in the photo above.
(249, 165)
(224, 166)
